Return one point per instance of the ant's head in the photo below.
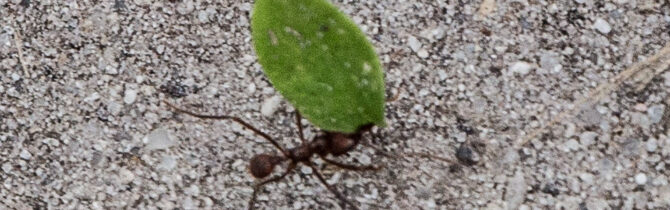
(341, 143)
(262, 165)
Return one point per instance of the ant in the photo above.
(333, 143)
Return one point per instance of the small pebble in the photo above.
(571, 145)
(640, 119)
(516, 190)
(551, 189)
(651, 145)
(364, 159)
(251, 88)
(270, 106)
(524, 207)
(203, 17)
(25, 155)
(656, 113)
(159, 139)
(15, 77)
(570, 130)
(640, 107)
(588, 138)
(486, 7)
(466, 155)
(6, 167)
(550, 61)
(511, 156)
(602, 26)
(520, 67)
(111, 70)
(126, 176)
(193, 190)
(641, 179)
(586, 178)
(422, 53)
(167, 163)
(414, 43)
(185, 7)
(438, 33)
(207, 201)
(130, 96)
(306, 170)
(93, 97)
(596, 204)
(188, 203)
(664, 195)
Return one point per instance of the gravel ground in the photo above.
(547, 105)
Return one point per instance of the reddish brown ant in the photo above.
(333, 143)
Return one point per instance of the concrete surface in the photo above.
(554, 104)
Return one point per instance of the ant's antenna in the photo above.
(225, 117)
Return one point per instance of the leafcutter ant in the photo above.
(333, 143)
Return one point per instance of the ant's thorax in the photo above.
(305, 151)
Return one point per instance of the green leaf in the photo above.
(320, 61)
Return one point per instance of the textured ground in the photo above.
(82, 126)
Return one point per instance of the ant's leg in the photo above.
(258, 186)
(330, 187)
(299, 124)
(350, 167)
(428, 156)
(402, 156)
(224, 117)
(410, 154)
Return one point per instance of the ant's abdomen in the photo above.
(262, 165)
